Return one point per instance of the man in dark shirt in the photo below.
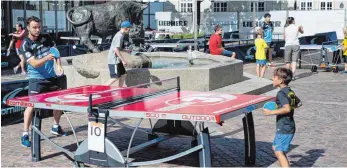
(285, 126)
(215, 44)
(42, 77)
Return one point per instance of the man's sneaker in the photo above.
(25, 141)
(58, 131)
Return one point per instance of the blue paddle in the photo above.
(54, 51)
(271, 105)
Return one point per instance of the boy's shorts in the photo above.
(270, 44)
(116, 70)
(345, 59)
(282, 142)
(261, 62)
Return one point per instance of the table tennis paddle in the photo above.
(54, 51)
(271, 105)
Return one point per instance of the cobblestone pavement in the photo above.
(320, 140)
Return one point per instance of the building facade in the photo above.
(260, 5)
(159, 13)
(239, 16)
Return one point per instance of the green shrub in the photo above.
(186, 35)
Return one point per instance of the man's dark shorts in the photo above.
(37, 86)
(345, 59)
(116, 70)
(270, 44)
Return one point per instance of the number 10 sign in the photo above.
(96, 136)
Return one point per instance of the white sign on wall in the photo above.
(313, 21)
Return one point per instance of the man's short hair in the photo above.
(267, 15)
(217, 27)
(285, 74)
(33, 18)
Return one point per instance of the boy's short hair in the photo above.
(217, 27)
(285, 74)
(33, 18)
(259, 31)
(267, 15)
(345, 30)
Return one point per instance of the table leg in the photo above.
(205, 152)
(249, 133)
(35, 137)
(300, 60)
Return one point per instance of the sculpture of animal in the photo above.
(104, 19)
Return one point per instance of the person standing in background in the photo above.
(268, 28)
(18, 36)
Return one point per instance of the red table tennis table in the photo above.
(178, 113)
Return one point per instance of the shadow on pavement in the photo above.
(308, 160)
(225, 151)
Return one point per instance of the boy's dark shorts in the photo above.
(345, 59)
(270, 44)
(282, 142)
(116, 70)
(37, 86)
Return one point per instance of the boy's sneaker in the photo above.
(25, 141)
(344, 72)
(270, 64)
(58, 131)
(15, 69)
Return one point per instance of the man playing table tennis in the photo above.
(116, 61)
(42, 77)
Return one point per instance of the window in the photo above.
(261, 6)
(322, 5)
(326, 5)
(329, 5)
(305, 4)
(220, 7)
(186, 6)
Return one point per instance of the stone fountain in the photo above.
(207, 72)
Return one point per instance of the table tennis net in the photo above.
(128, 95)
(330, 43)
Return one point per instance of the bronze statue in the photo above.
(105, 19)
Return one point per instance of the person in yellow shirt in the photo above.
(344, 49)
(260, 54)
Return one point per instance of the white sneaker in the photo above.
(23, 73)
(15, 69)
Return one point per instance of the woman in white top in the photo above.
(292, 46)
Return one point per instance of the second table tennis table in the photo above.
(178, 113)
(329, 46)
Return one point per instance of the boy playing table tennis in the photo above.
(260, 54)
(285, 126)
